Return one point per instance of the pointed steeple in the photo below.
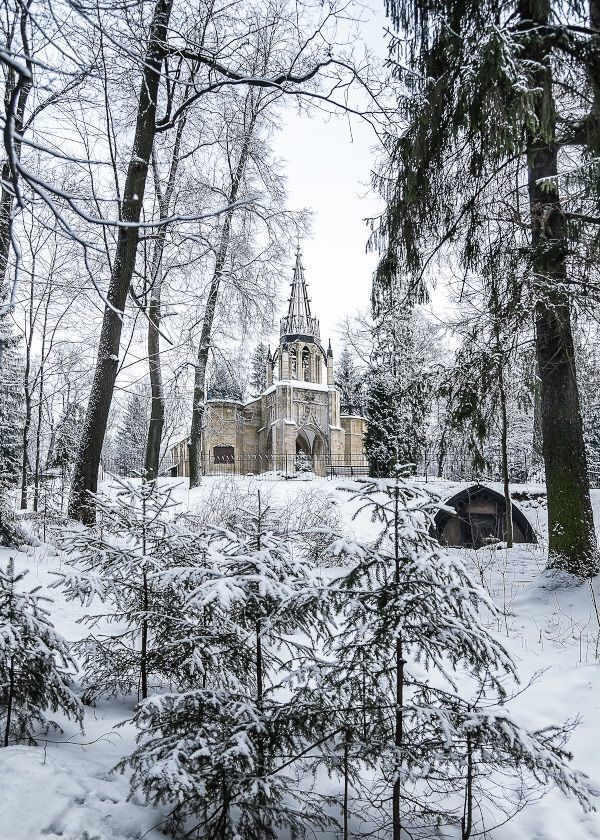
(299, 320)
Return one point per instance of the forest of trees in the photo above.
(168, 237)
(146, 236)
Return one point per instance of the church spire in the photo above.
(299, 320)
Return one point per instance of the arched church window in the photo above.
(293, 363)
(306, 364)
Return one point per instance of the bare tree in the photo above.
(77, 38)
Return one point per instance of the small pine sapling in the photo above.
(222, 753)
(412, 621)
(35, 664)
(116, 564)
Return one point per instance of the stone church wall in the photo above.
(355, 428)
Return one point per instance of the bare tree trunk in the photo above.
(16, 93)
(38, 433)
(195, 443)
(441, 453)
(399, 717)
(157, 410)
(25, 439)
(467, 818)
(85, 475)
(508, 521)
(27, 389)
(6, 205)
(572, 539)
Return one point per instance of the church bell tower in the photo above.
(301, 355)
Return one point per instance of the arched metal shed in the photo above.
(480, 519)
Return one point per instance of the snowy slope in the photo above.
(65, 788)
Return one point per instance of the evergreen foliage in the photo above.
(11, 437)
(303, 463)
(396, 398)
(66, 438)
(35, 664)
(258, 372)
(411, 620)
(217, 752)
(475, 175)
(260, 703)
(11, 408)
(588, 371)
(116, 564)
(349, 383)
(132, 432)
(223, 384)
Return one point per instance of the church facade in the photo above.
(296, 419)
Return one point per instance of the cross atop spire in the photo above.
(299, 320)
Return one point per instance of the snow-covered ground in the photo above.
(65, 788)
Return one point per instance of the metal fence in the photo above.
(520, 472)
(269, 467)
(523, 471)
(273, 467)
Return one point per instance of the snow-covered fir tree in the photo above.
(396, 398)
(588, 377)
(35, 664)
(11, 423)
(258, 367)
(223, 383)
(132, 432)
(413, 619)
(221, 753)
(349, 383)
(116, 564)
(65, 438)
(11, 407)
(303, 463)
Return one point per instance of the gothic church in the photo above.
(297, 413)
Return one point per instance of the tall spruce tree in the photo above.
(11, 421)
(396, 397)
(223, 384)
(11, 407)
(65, 438)
(498, 90)
(349, 383)
(258, 372)
(130, 443)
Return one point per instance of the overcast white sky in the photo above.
(328, 166)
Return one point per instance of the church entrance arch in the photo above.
(303, 444)
(309, 443)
